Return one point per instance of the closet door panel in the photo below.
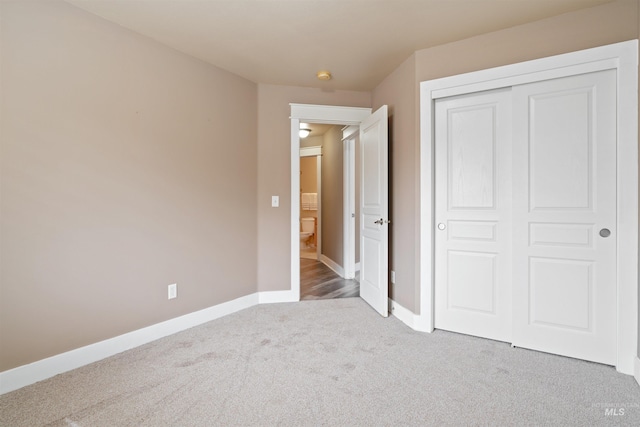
(565, 216)
(473, 203)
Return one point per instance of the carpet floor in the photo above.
(326, 362)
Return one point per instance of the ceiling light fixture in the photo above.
(323, 75)
(304, 133)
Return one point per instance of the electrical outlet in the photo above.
(172, 291)
(393, 277)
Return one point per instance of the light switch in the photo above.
(275, 201)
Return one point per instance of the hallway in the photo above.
(317, 281)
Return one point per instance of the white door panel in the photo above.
(374, 211)
(565, 174)
(479, 297)
(473, 202)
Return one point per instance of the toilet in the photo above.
(306, 233)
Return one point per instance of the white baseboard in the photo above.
(271, 297)
(422, 324)
(636, 369)
(332, 265)
(357, 266)
(21, 376)
(404, 315)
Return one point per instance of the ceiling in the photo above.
(317, 129)
(288, 41)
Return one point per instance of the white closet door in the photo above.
(565, 216)
(473, 206)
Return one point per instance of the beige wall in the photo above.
(125, 166)
(309, 174)
(311, 141)
(399, 92)
(274, 173)
(308, 181)
(332, 196)
(610, 23)
(592, 27)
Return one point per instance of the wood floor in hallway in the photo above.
(317, 281)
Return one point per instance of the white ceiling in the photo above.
(288, 41)
(317, 129)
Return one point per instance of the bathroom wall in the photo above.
(308, 181)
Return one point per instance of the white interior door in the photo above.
(473, 214)
(374, 211)
(565, 216)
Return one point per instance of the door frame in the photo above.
(349, 135)
(309, 113)
(622, 57)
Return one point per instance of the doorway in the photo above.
(374, 165)
(325, 187)
(311, 195)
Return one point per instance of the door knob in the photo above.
(379, 222)
(441, 226)
(605, 232)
